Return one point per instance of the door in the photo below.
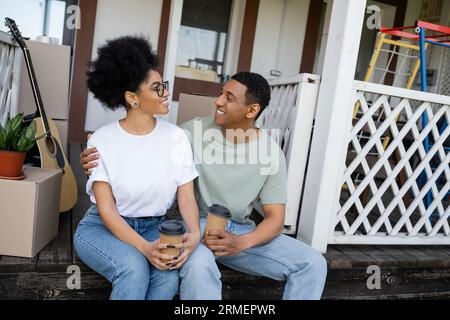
(208, 41)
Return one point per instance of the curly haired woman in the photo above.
(145, 164)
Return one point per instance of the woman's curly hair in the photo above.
(122, 65)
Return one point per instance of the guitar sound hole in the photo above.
(50, 145)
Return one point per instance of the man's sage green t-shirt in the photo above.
(235, 175)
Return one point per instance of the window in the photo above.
(203, 39)
(36, 17)
(54, 22)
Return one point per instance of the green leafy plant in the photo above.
(17, 137)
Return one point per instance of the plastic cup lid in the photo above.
(219, 210)
(172, 228)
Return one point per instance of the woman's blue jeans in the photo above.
(132, 276)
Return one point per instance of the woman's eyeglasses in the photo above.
(161, 87)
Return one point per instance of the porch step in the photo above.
(405, 273)
(53, 286)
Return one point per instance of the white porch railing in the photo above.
(289, 120)
(10, 64)
(394, 186)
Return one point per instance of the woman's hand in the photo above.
(157, 259)
(190, 243)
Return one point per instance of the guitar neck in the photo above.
(35, 88)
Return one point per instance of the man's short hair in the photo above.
(258, 89)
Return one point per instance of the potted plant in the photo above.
(15, 140)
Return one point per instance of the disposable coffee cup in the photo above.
(218, 217)
(171, 232)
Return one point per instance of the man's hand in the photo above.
(228, 244)
(190, 243)
(87, 160)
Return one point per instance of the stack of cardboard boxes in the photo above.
(52, 68)
(29, 208)
(29, 212)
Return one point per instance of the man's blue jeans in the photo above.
(132, 276)
(284, 258)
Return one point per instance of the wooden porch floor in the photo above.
(407, 272)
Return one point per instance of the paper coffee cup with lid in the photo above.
(218, 217)
(171, 232)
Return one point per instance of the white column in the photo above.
(176, 10)
(234, 36)
(333, 122)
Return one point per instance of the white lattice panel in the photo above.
(279, 117)
(386, 203)
(10, 63)
(289, 120)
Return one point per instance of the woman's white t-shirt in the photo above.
(144, 172)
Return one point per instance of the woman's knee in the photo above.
(131, 280)
(121, 262)
(134, 266)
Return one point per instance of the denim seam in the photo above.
(98, 252)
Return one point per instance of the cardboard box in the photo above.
(52, 68)
(191, 106)
(29, 212)
(63, 130)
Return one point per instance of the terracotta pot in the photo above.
(11, 163)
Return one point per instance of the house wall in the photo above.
(232, 50)
(29, 15)
(278, 42)
(440, 55)
(368, 40)
(318, 65)
(435, 54)
(234, 36)
(444, 79)
(116, 18)
(279, 38)
(414, 12)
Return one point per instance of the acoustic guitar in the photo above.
(50, 151)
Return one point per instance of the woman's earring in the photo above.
(135, 104)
